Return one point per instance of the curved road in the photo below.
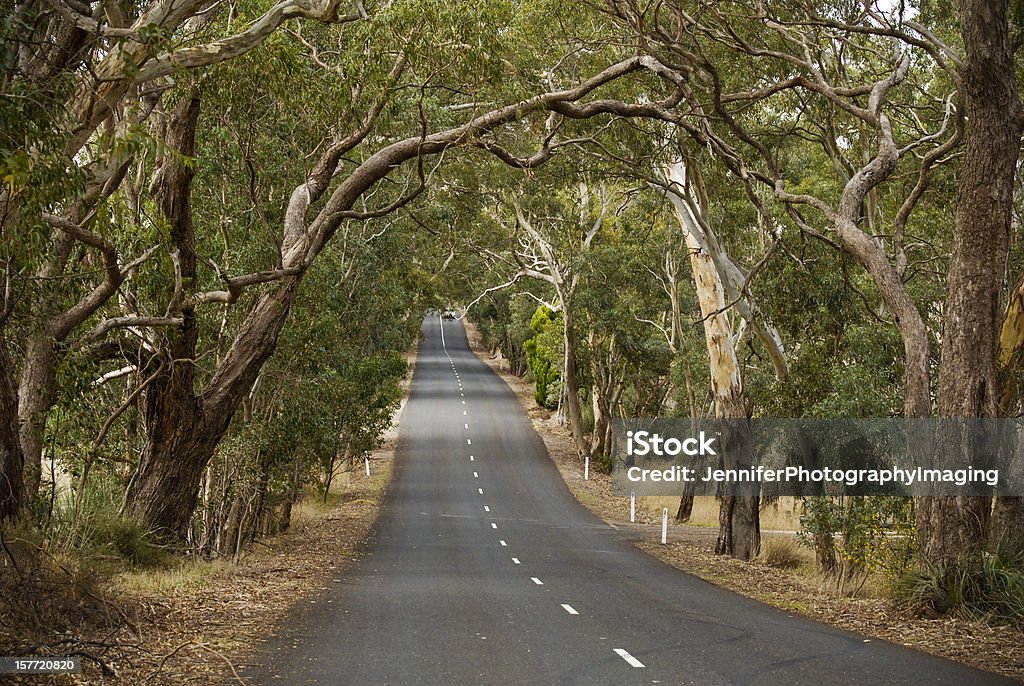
(483, 569)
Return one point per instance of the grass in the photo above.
(187, 575)
(987, 586)
(781, 515)
(783, 552)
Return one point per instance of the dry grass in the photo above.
(783, 552)
(181, 578)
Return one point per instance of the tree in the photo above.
(969, 383)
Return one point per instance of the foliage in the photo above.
(542, 356)
(985, 585)
(781, 552)
(88, 524)
(876, 534)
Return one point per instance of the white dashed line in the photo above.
(633, 662)
(516, 560)
(503, 544)
(486, 509)
(463, 402)
(467, 426)
(480, 491)
(569, 609)
(463, 413)
(493, 525)
(475, 475)
(471, 458)
(469, 441)
(536, 581)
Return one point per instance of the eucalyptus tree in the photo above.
(426, 96)
(884, 94)
(79, 89)
(551, 252)
(720, 286)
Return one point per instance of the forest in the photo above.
(222, 224)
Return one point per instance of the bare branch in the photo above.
(241, 43)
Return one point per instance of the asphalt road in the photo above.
(483, 569)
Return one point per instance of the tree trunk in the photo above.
(686, 499)
(606, 371)
(175, 425)
(739, 525)
(968, 380)
(37, 391)
(739, 532)
(294, 491)
(12, 460)
(1007, 532)
(571, 392)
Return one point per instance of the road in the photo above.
(483, 569)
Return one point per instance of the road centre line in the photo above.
(480, 490)
(475, 475)
(569, 608)
(486, 509)
(493, 525)
(633, 662)
(516, 560)
(503, 544)
(536, 581)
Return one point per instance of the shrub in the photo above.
(90, 524)
(876, 534)
(782, 552)
(541, 358)
(984, 585)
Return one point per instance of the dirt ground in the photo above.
(799, 591)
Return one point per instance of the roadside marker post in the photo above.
(632, 507)
(664, 525)
(586, 467)
(366, 460)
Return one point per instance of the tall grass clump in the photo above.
(89, 524)
(986, 585)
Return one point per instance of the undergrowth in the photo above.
(986, 585)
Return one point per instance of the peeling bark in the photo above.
(739, 531)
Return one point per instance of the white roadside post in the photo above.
(664, 525)
(366, 460)
(632, 507)
(586, 467)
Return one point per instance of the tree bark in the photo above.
(572, 383)
(175, 422)
(12, 460)
(37, 393)
(739, 531)
(968, 380)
